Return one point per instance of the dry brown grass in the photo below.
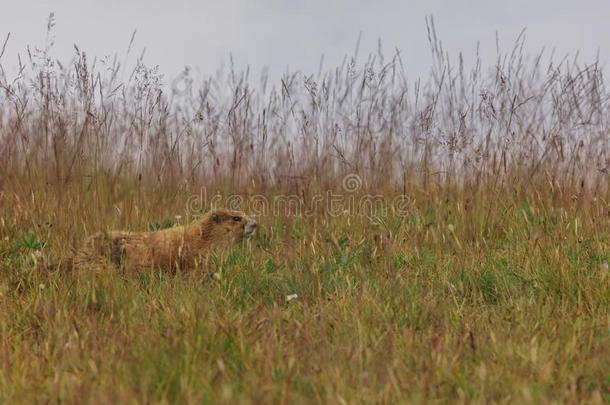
(493, 286)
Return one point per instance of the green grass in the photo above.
(508, 307)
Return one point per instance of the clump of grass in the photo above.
(492, 286)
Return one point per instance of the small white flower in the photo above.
(41, 286)
(604, 266)
(291, 297)
(178, 217)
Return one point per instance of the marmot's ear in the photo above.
(215, 217)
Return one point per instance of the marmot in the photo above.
(180, 247)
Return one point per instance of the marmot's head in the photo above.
(222, 225)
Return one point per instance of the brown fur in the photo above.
(180, 247)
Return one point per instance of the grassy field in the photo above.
(494, 298)
(488, 283)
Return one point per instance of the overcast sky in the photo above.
(295, 33)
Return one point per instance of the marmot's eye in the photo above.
(237, 219)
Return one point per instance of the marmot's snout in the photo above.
(250, 228)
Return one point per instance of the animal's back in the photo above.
(106, 248)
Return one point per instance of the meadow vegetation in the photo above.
(490, 283)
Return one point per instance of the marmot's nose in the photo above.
(251, 225)
(250, 228)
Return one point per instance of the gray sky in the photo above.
(295, 33)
